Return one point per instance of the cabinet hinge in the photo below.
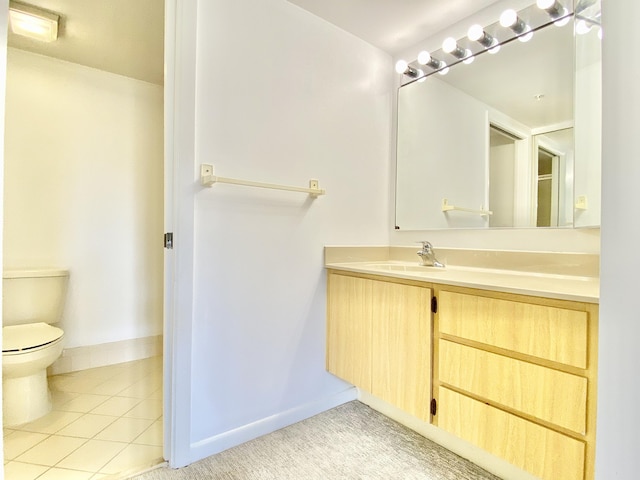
(168, 240)
(434, 304)
(434, 406)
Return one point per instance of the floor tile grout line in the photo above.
(32, 446)
(150, 371)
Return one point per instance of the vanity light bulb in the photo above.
(526, 36)
(401, 66)
(494, 50)
(582, 27)
(422, 77)
(469, 58)
(508, 18)
(544, 4)
(562, 22)
(424, 57)
(600, 33)
(445, 70)
(475, 32)
(449, 45)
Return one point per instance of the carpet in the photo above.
(349, 442)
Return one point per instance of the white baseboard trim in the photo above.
(223, 441)
(92, 356)
(483, 459)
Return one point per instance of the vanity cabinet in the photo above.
(512, 374)
(379, 337)
(516, 376)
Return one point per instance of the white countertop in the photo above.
(548, 285)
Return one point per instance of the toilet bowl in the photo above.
(32, 301)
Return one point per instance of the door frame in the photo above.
(179, 212)
(4, 23)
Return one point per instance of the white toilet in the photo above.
(33, 300)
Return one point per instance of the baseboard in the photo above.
(218, 443)
(483, 459)
(92, 356)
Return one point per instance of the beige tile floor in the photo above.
(106, 422)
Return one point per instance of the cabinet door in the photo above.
(401, 356)
(349, 329)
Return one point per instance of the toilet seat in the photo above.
(18, 339)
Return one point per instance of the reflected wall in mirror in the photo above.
(588, 112)
(494, 137)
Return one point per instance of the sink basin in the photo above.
(398, 267)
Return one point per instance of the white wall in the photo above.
(619, 384)
(83, 190)
(282, 97)
(588, 127)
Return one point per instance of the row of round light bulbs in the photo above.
(508, 19)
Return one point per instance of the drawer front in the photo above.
(546, 454)
(551, 333)
(544, 393)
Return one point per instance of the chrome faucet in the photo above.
(428, 256)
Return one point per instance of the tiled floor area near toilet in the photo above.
(105, 422)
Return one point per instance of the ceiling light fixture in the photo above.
(33, 22)
(477, 34)
(425, 58)
(510, 19)
(403, 67)
(556, 11)
(451, 47)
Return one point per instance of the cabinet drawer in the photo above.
(551, 333)
(546, 454)
(544, 393)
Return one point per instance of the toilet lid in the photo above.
(16, 338)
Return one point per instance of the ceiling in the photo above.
(393, 25)
(125, 37)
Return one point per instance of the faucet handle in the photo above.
(426, 246)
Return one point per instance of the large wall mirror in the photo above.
(511, 139)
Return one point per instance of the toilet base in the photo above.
(24, 399)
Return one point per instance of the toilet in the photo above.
(32, 301)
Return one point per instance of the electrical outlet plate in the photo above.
(581, 202)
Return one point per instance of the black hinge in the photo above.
(434, 304)
(434, 406)
(168, 240)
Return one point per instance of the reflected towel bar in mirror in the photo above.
(446, 207)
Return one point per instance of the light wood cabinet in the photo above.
(513, 374)
(379, 338)
(545, 331)
(541, 451)
(401, 349)
(349, 329)
(516, 376)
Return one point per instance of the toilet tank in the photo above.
(33, 295)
